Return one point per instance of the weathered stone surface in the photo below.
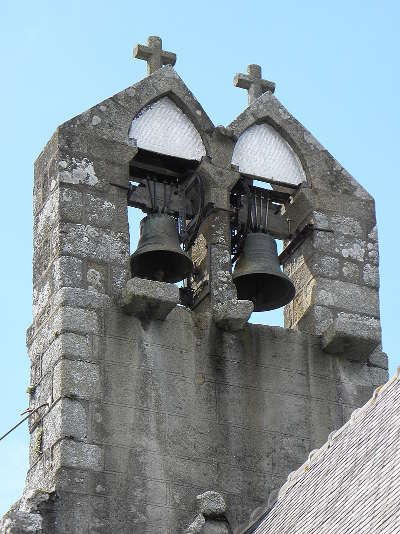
(67, 272)
(151, 406)
(233, 314)
(78, 320)
(19, 522)
(371, 275)
(211, 518)
(94, 243)
(82, 298)
(66, 418)
(379, 359)
(149, 299)
(197, 525)
(347, 297)
(77, 379)
(215, 527)
(211, 504)
(69, 453)
(352, 336)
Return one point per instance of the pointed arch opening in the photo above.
(162, 127)
(169, 150)
(262, 151)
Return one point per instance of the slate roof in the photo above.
(351, 484)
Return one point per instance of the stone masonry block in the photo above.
(40, 340)
(379, 359)
(41, 298)
(115, 153)
(289, 453)
(142, 491)
(371, 275)
(48, 215)
(67, 272)
(119, 425)
(70, 453)
(42, 394)
(352, 336)
(323, 242)
(262, 410)
(95, 243)
(244, 483)
(202, 439)
(78, 320)
(325, 266)
(345, 205)
(346, 296)
(77, 171)
(222, 287)
(82, 298)
(233, 314)
(96, 277)
(373, 234)
(131, 387)
(149, 299)
(76, 379)
(346, 225)
(184, 396)
(119, 278)
(351, 271)
(71, 206)
(100, 211)
(67, 344)
(66, 418)
(373, 253)
(350, 248)
(359, 374)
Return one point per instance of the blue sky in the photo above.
(335, 65)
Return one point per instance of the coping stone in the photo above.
(149, 298)
(233, 315)
(353, 339)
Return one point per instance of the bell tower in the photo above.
(148, 393)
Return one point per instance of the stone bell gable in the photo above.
(147, 394)
(335, 265)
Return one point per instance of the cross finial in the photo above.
(153, 53)
(253, 82)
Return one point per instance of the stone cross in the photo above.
(153, 53)
(253, 82)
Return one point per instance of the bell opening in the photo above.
(134, 217)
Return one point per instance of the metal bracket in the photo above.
(298, 239)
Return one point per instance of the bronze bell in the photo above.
(158, 255)
(258, 276)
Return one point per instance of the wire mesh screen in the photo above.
(262, 151)
(162, 127)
